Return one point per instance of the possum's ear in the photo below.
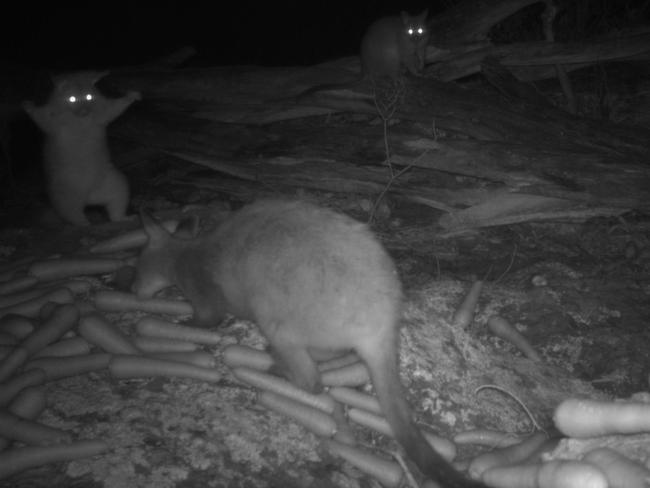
(188, 228)
(155, 232)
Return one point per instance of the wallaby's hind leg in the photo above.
(293, 361)
(117, 200)
(68, 205)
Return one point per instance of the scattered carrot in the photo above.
(269, 382)
(198, 358)
(18, 284)
(129, 240)
(73, 346)
(156, 327)
(314, 420)
(506, 455)
(12, 362)
(32, 308)
(15, 460)
(63, 367)
(592, 418)
(56, 269)
(620, 471)
(62, 319)
(117, 301)
(29, 432)
(352, 375)
(388, 473)
(100, 332)
(355, 398)
(127, 366)
(553, 474)
(464, 314)
(22, 296)
(28, 404)
(15, 268)
(161, 344)
(236, 355)
(17, 325)
(11, 389)
(486, 437)
(442, 446)
(339, 362)
(500, 327)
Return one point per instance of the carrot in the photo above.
(10, 389)
(76, 286)
(592, 418)
(23, 296)
(160, 344)
(18, 284)
(355, 398)
(127, 366)
(16, 460)
(442, 446)
(67, 347)
(352, 375)
(117, 301)
(506, 455)
(339, 362)
(63, 318)
(100, 332)
(28, 404)
(268, 382)
(17, 325)
(29, 432)
(500, 327)
(314, 420)
(129, 240)
(620, 471)
(12, 362)
(388, 473)
(56, 269)
(156, 327)
(465, 312)
(486, 437)
(236, 355)
(31, 308)
(198, 358)
(62, 367)
(553, 474)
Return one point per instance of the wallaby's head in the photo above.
(76, 92)
(415, 27)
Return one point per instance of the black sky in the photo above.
(70, 35)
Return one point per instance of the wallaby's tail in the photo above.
(383, 366)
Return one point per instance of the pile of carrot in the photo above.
(46, 333)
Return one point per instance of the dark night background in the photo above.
(93, 34)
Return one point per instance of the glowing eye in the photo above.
(410, 31)
(72, 99)
(89, 97)
(420, 30)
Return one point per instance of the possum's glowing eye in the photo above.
(410, 31)
(420, 30)
(89, 97)
(72, 99)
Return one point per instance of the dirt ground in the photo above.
(578, 291)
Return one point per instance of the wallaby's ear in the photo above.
(188, 228)
(423, 16)
(155, 232)
(95, 76)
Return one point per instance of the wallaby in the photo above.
(317, 283)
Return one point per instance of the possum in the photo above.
(317, 283)
(389, 47)
(76, 156)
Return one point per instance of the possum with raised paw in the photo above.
(76, 155)
(317, 283)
